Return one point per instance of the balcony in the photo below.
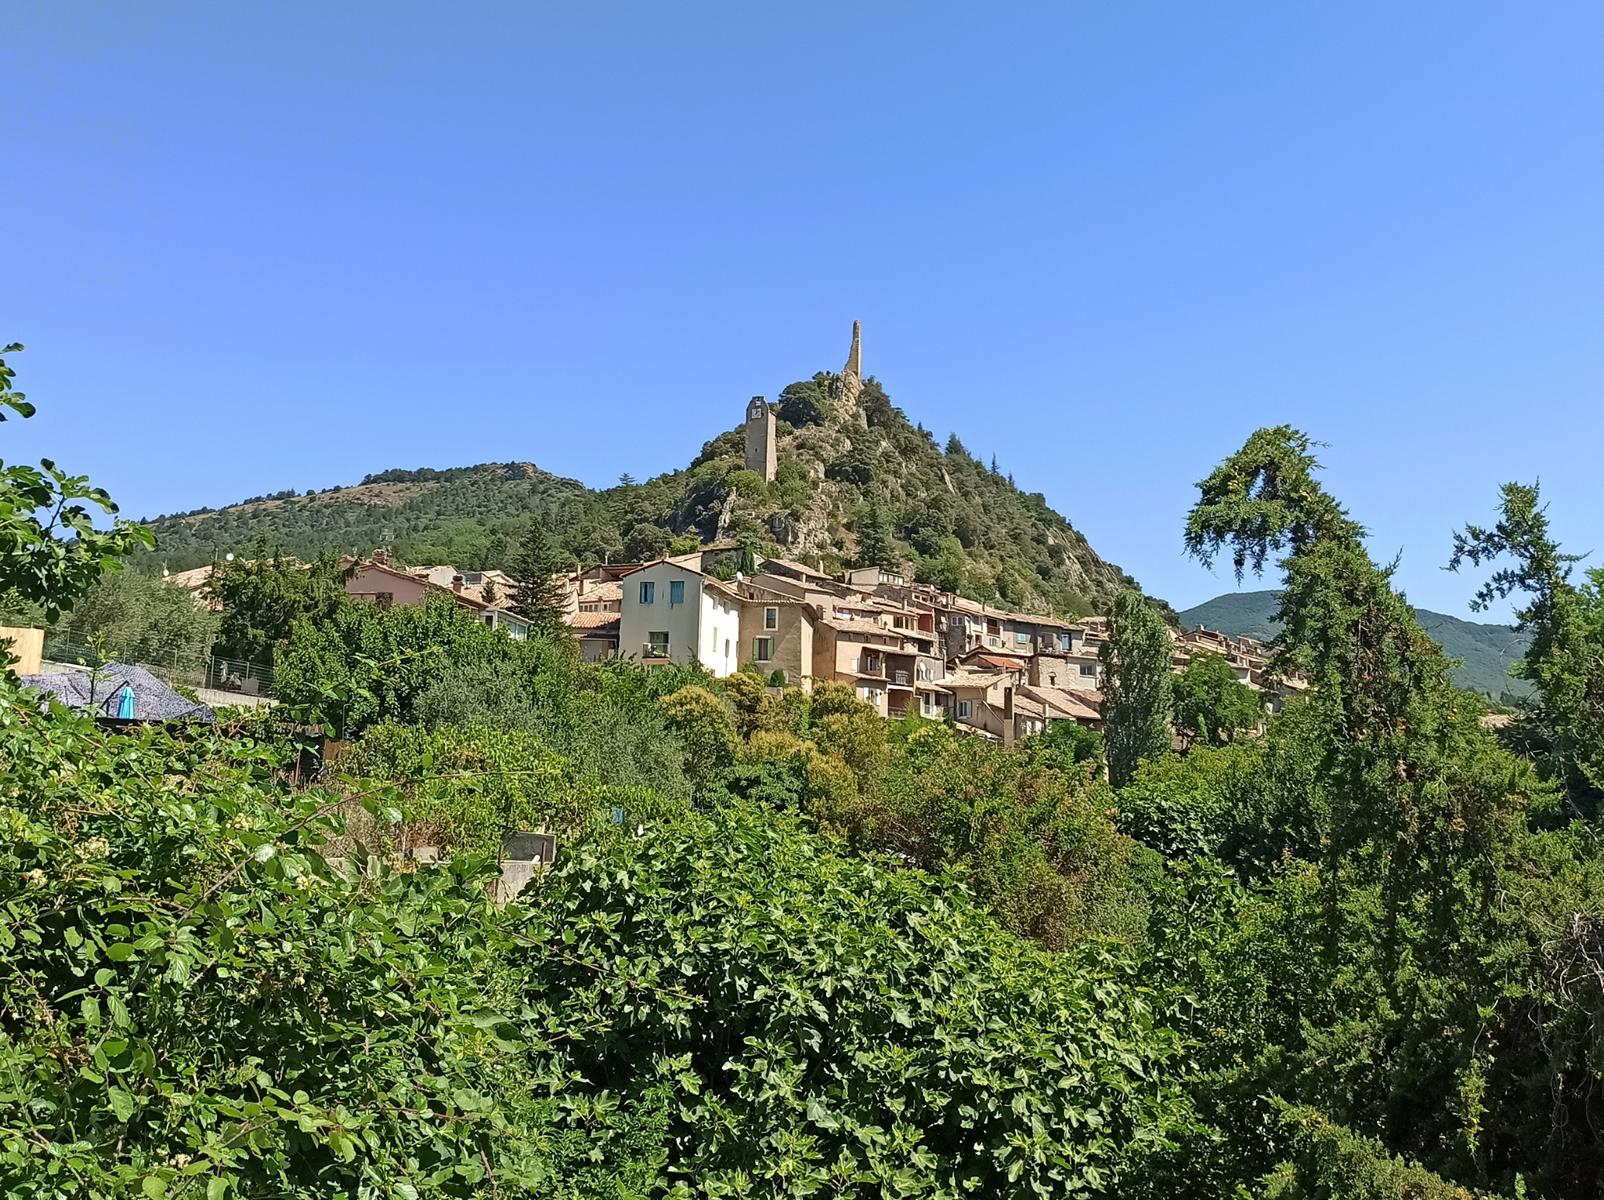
(650, 651)
(900, 679)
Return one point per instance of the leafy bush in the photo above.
(1330, 1162)
(806, 402)
(705, 728)
(138, 618)
(364, 664)
(194, 1001)
(829, 1025)
(459, 787)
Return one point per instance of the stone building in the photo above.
(760, 452)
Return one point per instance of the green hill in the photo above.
(1485, 652)
(857, 483)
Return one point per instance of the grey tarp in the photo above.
(153, 699)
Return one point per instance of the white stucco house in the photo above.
(673, 613)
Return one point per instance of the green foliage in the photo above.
(806, 402)
(1211, 705)
(1034, 843)
(52, 561)
(945, 569)
(1066, 743)
(877, 543)
(857, 466)
(1136, 687)
(139, 618)
(1565, 660)
(748, 485)
(540, 567)
(1411, 944)
(703, 723)
(926, 527)
(646, 541)
(461, 786)
(1248, 804)
(1482, 654)
(196, 1002)
(264, 594)
(829, 1024)
(1329, 1162)
(365, 665)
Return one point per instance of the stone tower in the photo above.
(850, 386)
(760, 453)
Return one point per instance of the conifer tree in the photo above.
(1565, 659)
(877, 541)
(1136, 686)
(539, 567)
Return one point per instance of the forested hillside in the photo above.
(854, 486)
(1484, 652)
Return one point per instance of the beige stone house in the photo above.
(778, 634)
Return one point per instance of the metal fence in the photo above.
(176, 670)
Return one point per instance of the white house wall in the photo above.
(721, 632)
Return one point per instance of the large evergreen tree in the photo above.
(1565, 660)
(877, 540)
(1136, 686)
(540, 566)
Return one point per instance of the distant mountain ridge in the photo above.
(855, 482)
(1485, 652)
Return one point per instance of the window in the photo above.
(1088, 670)
(771, 618)
(964, 709)
(1021, 639)
(763, 649)
(1066, 641)
(383, 600)
(657, 644)
(726, 647)
(648, 592)
(676, 591)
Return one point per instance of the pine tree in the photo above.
(877, 540)
(539, 566)
(1136, 687)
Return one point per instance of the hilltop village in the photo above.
(904, 647)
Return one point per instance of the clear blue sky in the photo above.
(268, 246)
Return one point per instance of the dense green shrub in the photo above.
(831, 1025)
(1329, 1162)
(460, 787)
(364, 664)
(194, 1001)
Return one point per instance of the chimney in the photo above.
(381, 556)
(456, 583)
